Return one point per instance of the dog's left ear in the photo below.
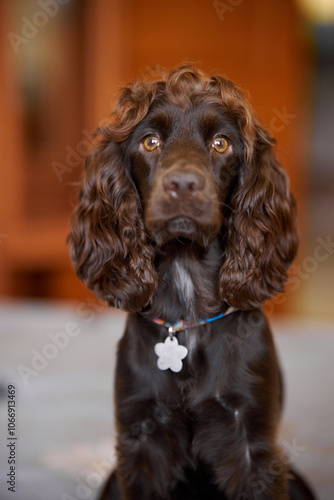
(261, 238)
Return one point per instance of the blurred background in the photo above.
(61, 64)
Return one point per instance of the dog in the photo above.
(185, 220)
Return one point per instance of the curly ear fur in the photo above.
(261, 239)
(108, 243)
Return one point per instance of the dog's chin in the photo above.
(182, 228)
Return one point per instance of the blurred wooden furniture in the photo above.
(50, 103)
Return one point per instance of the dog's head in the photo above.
(183, 157)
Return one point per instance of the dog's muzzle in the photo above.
(183, 203)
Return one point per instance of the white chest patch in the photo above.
(184, 284)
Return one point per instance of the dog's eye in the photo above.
(151, 143)
(220, 144)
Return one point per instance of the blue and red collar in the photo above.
(184, 325)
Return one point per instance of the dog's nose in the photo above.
(183, 185)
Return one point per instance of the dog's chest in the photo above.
(183, 285)
(191, 340)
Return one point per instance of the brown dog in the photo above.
(186, 221)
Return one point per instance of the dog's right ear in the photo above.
(261, 236)
(108, 244)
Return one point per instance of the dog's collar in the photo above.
(170, 353)
(184, 325)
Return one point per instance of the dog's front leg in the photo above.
(244, 466)
(153, 442)
(152, 450)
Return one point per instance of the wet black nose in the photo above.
(183, 185)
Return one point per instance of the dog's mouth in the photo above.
(182, 226)
(186, 228)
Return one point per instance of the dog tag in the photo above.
(170, 354)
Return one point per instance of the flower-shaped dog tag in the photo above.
(170, 354)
